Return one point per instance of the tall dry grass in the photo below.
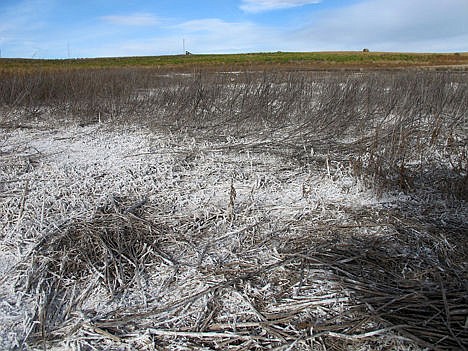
(397, 128)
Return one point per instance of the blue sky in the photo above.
(93, 28)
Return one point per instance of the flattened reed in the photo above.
(112, 250)
(421, 296)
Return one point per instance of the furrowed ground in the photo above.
(151, 210)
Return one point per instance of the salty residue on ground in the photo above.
(128, 239)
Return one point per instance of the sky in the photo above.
(103, 28)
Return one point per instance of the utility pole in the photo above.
(183, 45)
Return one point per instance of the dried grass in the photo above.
(131, 240)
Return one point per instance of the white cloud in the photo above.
(213, 25)
(208, 35)
(136, 19)
(20, 26)
(400, 25)
(268, 5)
(213, 35)
(24, 17)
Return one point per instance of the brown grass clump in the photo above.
(420, 295)
(330, 286)
(112, 250)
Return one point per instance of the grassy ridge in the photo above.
(302, 59)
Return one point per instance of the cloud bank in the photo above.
(255, 6)
(399, 25)
(137, 19)
(37, 28)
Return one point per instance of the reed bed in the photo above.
(332, 218)
(400, 128)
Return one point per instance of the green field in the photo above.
(317, 60)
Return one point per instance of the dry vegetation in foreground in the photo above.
(145, 209)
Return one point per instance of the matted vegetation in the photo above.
(234, 210)
(385, 122)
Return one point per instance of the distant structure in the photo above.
(187, 53)
(365, 50)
